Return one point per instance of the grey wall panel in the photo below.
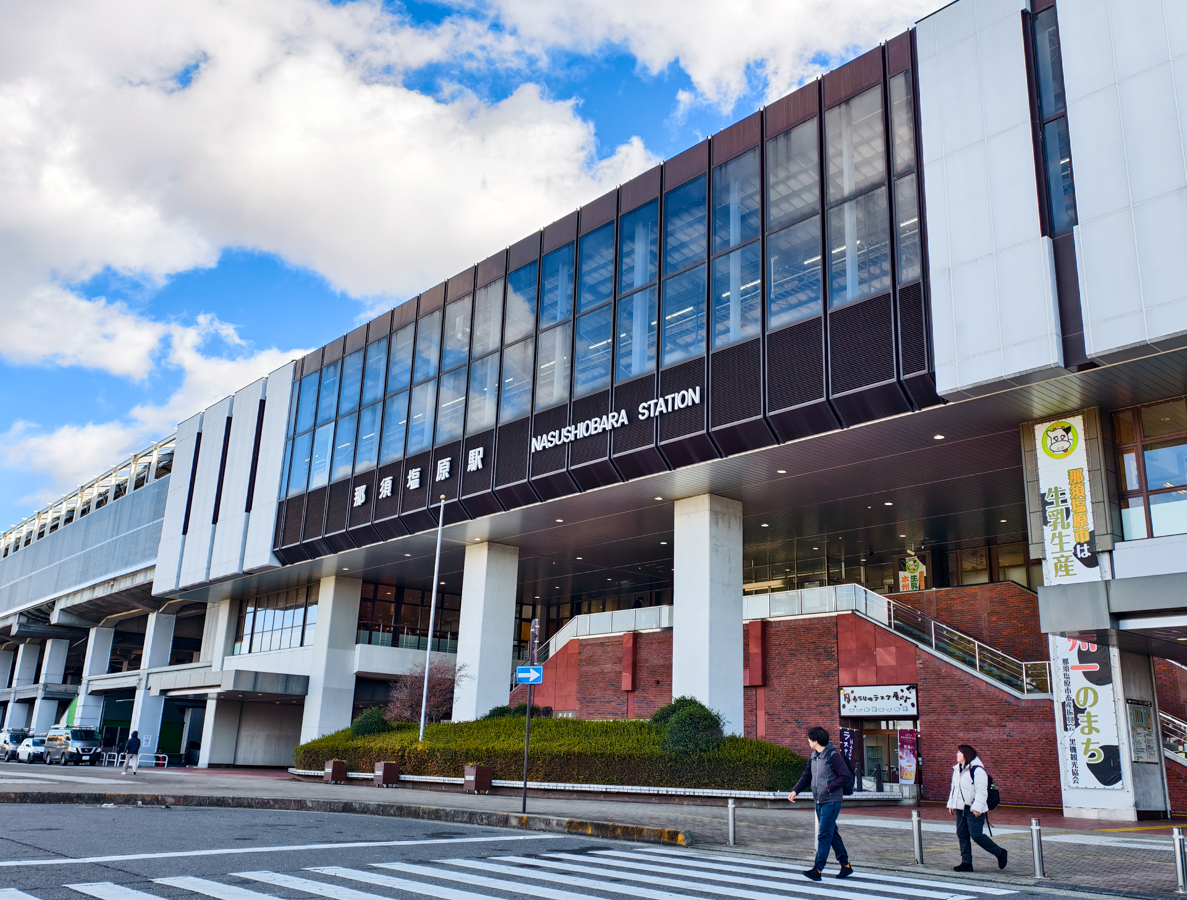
(226, 556)
(195, 557)
(257, 553)
(121, 537)
(172, 540)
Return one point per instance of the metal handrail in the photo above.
(621, 621)
(1174, 735)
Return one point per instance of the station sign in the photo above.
(648, 409)
(879, 700)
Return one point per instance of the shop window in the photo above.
(1152, 468)
(1012, 563)
(974, 566)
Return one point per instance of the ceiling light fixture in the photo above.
(345, 569)
(888, 503)
(765, 525)
(902, 535)
(407, 554)
(659, 498)
(560, 520)
(442, 582)
(1003, 521)
(937, 437)
(581, 557)
(663, 543)
(780, 471)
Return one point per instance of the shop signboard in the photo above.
(1086, 713)
(1142, 737)
(912, 574)
(880, 700)
(908, 755)
(1069, 540)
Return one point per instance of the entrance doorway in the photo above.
(880, 740)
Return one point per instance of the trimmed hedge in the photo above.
(623, 752)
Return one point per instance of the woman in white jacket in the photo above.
(969, 800)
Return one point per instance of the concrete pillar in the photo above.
(25, 672)
(218, 633)
(220, 732)
(18, 714)
(89, 712)
(6, 658)
(487, 630)
(146, 711)
(53, 670)
(707, 596)
(331, 675)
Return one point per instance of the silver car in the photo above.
(10, 739)
(31, 748)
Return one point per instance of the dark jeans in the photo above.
(970, 826)
(827, 837)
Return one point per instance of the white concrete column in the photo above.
(6, 658)
(25, 672)
(331, 674)
(89, 712)
(53, 670)
(218, 633)
(146, 710)
(18, 714)
(220, 733)
(707, 599)
(487, 630)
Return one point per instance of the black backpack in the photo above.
(993, 796)
(848, 781)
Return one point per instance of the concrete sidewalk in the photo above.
(1133, 858)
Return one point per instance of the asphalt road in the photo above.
(58, 852)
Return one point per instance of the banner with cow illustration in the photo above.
(1069, 540)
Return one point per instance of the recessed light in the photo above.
(1181, 639)
(581, 557)
(937, 437)
(442, 582)
(780, 471)
(815, 548)
(476, 540)
(558, 587)
(888, 503)
(346, 569)
(863, 559)
(663, 543)
(1003, 521)
(659, 498)
(902, 535)
(765, 525)
(407, 554)
(560, 520)
(609, 579)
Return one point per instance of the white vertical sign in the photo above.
(1068, 536)
(1086, 714)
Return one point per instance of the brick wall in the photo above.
(1003, 615)
(868, 654)
(1176, 780)
(1171, 684)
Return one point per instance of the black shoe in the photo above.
(963, 867)
(845, 871)
(1001, 860)
(812, 874)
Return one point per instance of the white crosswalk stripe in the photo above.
(14, 894)
(527, 890)
(629, 888)
(107, 890)
(214, 889)
(338, 892)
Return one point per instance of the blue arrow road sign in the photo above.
(529, 675)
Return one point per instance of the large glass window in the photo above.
(793, 281)
(307, 411)
(484, 394)
(352, 382)
(793, 175)
(859, 249)
(367, 449)
(451, 406)
(421, 411)
(516, 400)
(399, 370)
(343, 460)
(375, 370)
(488, 317)
(1061, 192)
(1048, 64)
(736, 196)
(552, 367)
(1057, 150)
(737, 295)
(906, 211)
(684, 226)
(327, 404)
(902, 122)
(277, 621)
(595, 283)
(428, 346)
(457, 334)
(1152, 475)
(595, 343)
(521, 303)
(395, 428)
(856, 145)
(299, 475)
(636, 335)
(638, 247)
(556, 294)
(684, 316)
(319, 463)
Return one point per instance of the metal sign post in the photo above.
(424, 697)
(533, 680)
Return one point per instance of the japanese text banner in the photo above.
(1069, 539)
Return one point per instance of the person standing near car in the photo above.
(826, 773)
(132, 753)
(969, 800)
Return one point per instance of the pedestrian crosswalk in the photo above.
(654, 873)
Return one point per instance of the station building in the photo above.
(867, 411)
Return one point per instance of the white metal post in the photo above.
(424, 697)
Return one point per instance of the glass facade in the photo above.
(1152, 468)
(594, 350)
(635, 351)
(1057, 150)
(391, 616)
(281, 621)
(684, 316)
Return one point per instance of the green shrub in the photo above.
(512, 712)
(499, 712)
(370, 721)
(664, 714)
(693, 729)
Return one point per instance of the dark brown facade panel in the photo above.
(912, 329)
(1037, 6)
(735, 403)
(404, 314)
(359, 519)
(549, 477)
(451, 455)
(788, 112)
(737, 139)
(311, 362)
(478, 494)
(332, 352)
(898, 53)
(357, 339)
(633, 445)
(560, 232)
(599, 212)
(337, 510)
(684, 432)
(686, 166)
(640, 189)
(492, 268)
(461, 284)
(589, 457)
(432, 299)
(1067, 290)
(379, 326)
(853, 78)
(523, 252)
(385, 516)
(414, 501)
(862, 366)
(511, 464)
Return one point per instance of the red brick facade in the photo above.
(1003, 615)
(1176, 780)
(801, 682)
(1171, 683)
(868, 654)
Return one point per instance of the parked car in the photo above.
(64, 744)
(10, 739)
(31, 748)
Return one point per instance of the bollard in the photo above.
(1180, 859)
(917, 834)
(730, 812)
(1036, 847)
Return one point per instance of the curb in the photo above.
(548, 824)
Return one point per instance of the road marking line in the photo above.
(791, 876)
(498, 884)
(106, 890)
(65, 861)
(14, 894)
(8, 772)
(1150, 843)
(213, 888)
(893, 879)
(610, 887)
(338, 892)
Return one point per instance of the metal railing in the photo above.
(619, 621)
(1174, 736)
(993, 664)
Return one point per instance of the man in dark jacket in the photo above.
(132, 753)
(825, 772)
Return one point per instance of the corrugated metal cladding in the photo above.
(115, 539)
(222, 500)
(833, 362)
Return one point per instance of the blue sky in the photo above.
(200, 194)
